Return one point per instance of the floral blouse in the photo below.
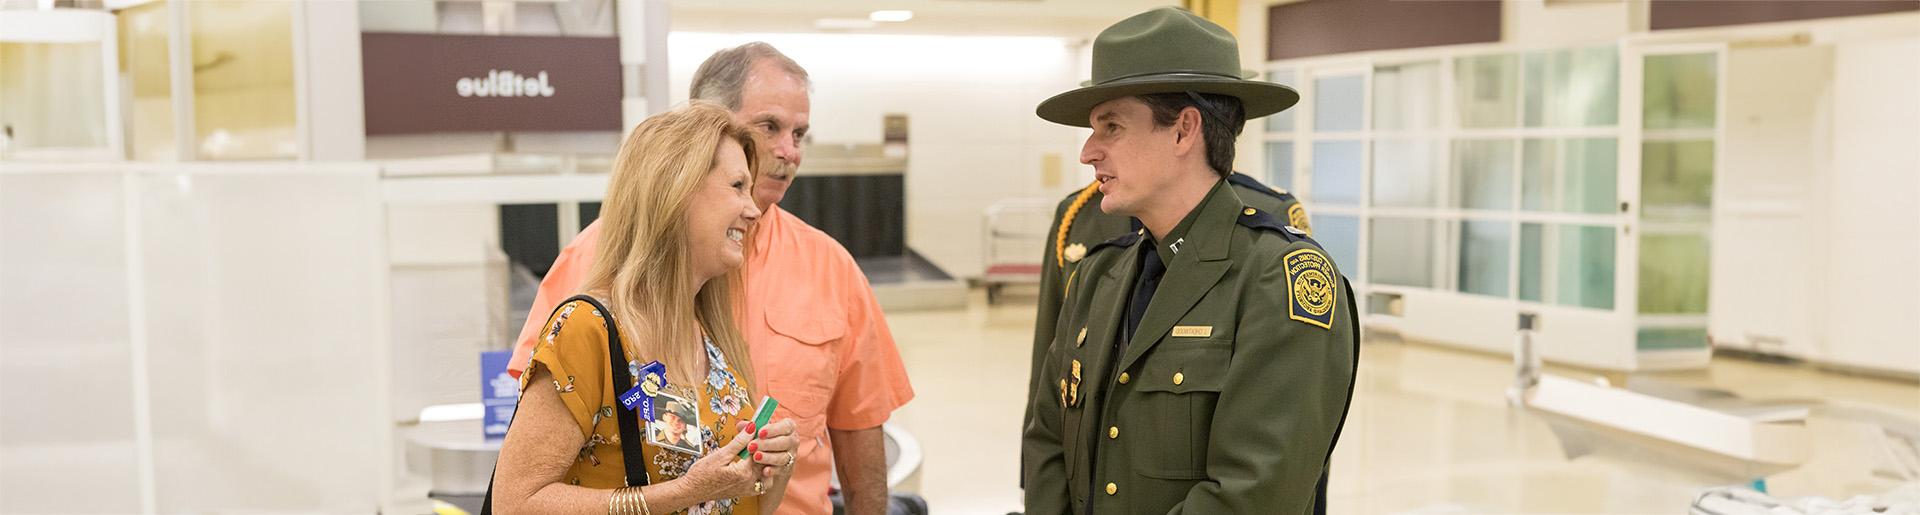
(574, 351)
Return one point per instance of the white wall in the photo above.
(1535, 23)
(1775, 155)
(175, 336)
(974, 138)
(1872, 232)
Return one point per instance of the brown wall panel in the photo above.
(1686, 14)
(1321, 27)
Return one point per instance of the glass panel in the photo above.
(1281, 121)
(1676, 180)
(52, 95)
(1483, 174)
(1405, 173)
(1336, 103)
(1671, 338)
(1484, 257)
(144, 61)
(1280, 165)
(1486, 89)
(1406, 97)
(243, 99)
(1401, 252)
(1571, 176)
(1531, 258)
(1591, 168)
(1539, 174)
(1336, 172)
(1680, 91)
(1673, 273)
(1585, 266)
(1572, 88)
(1340, 235)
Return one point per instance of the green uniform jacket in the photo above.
(1089, 227)
(1228, 398)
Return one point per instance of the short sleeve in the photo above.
(573, 348)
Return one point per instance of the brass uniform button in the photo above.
(1124, 377)
(1179, 378)
(1248, 212)
(1112, 488)
(1113, 432)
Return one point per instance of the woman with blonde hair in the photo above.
(653, 340)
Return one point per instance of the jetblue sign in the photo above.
(448, 83)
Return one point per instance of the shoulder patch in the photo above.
(1311, 287)
(1248, 182)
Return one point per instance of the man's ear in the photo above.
(1186, 128)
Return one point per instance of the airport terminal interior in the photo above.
(1609, 256)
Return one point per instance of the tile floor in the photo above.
(1430, 430)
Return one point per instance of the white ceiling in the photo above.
(1066, 18)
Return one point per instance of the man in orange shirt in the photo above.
(818, 339)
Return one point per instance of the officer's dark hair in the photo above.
(1221, 119)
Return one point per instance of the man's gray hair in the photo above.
(723, 75)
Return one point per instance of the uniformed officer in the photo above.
(1202, 363)
(1079, 224)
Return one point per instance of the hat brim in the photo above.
(1259, 98)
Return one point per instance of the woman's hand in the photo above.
(775, 450)
(721, 474)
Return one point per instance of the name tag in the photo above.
(1192, 331)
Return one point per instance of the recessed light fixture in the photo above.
(890, 15)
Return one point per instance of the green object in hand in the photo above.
(761, 417)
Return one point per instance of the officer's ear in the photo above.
(1186, 128)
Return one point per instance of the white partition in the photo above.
(67, 439)
(194, 338)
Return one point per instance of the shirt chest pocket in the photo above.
(805, 367)
(1175, 392)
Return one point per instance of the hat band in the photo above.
(1191, 74)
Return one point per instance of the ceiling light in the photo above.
(891, 15)
(842, 24)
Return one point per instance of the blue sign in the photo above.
(499, 393)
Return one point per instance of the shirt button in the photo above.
(1112, 488)
(1124, 377)
(1113, 432)
(1179, 378)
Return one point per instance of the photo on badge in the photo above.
(676, 425)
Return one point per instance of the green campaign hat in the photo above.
(1166, 50)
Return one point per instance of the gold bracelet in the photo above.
(628, 501)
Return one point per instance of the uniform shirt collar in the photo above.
(1176, 237)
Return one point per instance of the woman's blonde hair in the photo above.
(644, 265)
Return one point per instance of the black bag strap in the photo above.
(630, 439)
(630, 436)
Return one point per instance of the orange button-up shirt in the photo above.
(819, 341)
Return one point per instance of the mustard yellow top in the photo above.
(574, 350)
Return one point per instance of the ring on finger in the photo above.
(758, 488)
(790, 459)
